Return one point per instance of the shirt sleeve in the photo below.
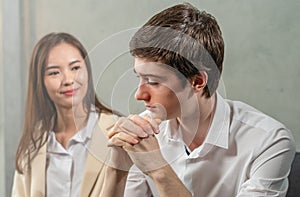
(137, 185)
(270, 169)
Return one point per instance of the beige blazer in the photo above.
(32, 183)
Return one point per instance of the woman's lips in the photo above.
(70, 92)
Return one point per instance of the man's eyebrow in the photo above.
(55, 66)
(148, 75)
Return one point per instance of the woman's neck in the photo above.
(68, 123)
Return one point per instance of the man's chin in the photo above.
(158, 115)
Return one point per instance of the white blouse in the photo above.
(65, 166)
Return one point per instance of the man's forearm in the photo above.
(167, 183)
(114, 183)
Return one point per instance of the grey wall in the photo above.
(261, 67)
(2, 150)
(12, 88)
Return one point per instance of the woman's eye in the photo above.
(76, 68)
(53, 73)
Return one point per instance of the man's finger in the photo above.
(122, 139)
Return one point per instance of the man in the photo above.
(206, 145)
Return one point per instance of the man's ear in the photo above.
(199, 81)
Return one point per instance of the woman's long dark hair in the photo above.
(40, 109)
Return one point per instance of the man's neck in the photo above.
(195, 127)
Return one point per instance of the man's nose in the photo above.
(142, 93)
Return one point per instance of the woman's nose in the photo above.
(68, 78)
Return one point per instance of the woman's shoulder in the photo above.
(107, 119)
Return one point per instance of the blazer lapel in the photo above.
(97, 153)
(38, 167)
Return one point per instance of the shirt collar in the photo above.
(218, 133)
(82, 136)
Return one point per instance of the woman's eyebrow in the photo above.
(51, 67)
(73, 62)
(55, 66)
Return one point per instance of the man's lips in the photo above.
(150, 107)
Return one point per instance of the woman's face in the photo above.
(66, 76)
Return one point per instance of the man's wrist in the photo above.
(119, 159)
(159, 175)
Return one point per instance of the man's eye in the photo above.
(152, 83)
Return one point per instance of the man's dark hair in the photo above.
(184, 38)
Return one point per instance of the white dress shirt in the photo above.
(65, 166)
(246, 153)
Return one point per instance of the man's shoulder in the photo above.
(257, 129)
(249, 121)
(248, 115)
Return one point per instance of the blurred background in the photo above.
(261, 64)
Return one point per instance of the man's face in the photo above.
(160, 88)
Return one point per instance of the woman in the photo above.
(60, 147)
